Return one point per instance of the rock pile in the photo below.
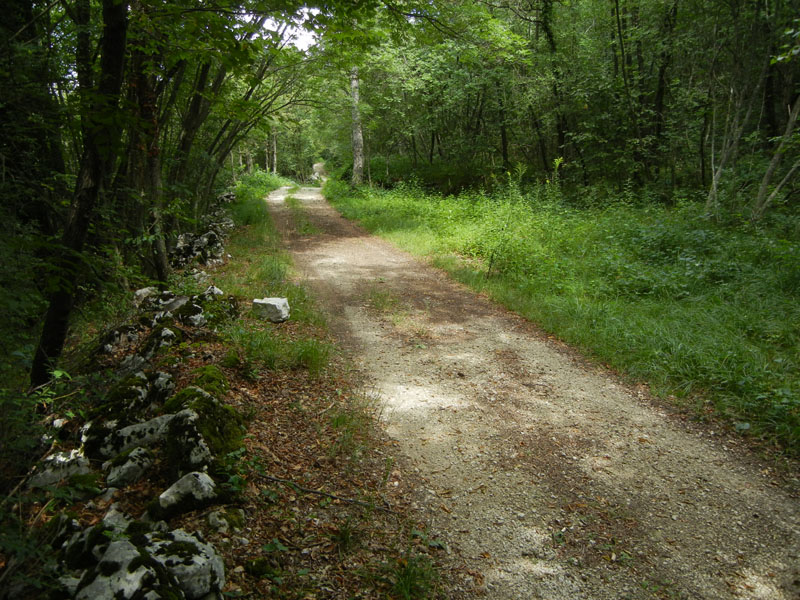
(144, 430)
(205, 248)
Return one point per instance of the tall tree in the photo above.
(103, 126)
(357, 134)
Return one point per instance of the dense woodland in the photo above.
(121, 122)
(624, 173)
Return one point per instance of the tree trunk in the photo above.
(730, 145)
(357, 134)
(199, 109)
(275, 153)
(155, 192)
(503, 130)
(762, 200)
(665, 59)
(100, 152)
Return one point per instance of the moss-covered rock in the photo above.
(94, 437)
(211, 379)
(161, 337)
(221, 426)
(137, 532)
(218, 310)
(185, 449)
(235, 517)
(125, 400)
(262, 568)
(127, 467)
(82, 548)
(184, 398)
(223, 521)
(134, 398)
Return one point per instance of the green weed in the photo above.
(382, 300)
(699, 310)
(413, 577)
(346, 537)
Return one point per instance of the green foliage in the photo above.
(19, 435)
(22, 305)
(251, 188)
(699, 310)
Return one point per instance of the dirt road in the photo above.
(546, 476)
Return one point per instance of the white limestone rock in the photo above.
(114, 577)
(274, 309)
(116, 520)
(220, 520)
(143, 294)
(190, 491)
(60, 466)
(129, 471)
(183, 434)
(212, 291)
(195, 564)
(140, 434)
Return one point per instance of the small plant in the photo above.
(413, 577)
(345, 538)
(353, 422)
(382, 300)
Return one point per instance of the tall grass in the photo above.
(704, 312)
(261, 269)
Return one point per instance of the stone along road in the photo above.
(547, 477)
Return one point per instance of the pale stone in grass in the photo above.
(274, 309)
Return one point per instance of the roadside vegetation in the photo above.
(703, 311)
(309, 483)
(311, 464)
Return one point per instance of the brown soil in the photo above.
(547, 477)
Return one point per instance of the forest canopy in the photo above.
(121, 121)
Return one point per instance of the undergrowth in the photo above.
(705, 312)
(261, 269)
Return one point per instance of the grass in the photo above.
(704, 312)
(413, 577)
(382, 300)
(300, 218)
(352, 422)
(261, 269)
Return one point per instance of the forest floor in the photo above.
(547, 475)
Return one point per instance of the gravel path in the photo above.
(546, 476)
